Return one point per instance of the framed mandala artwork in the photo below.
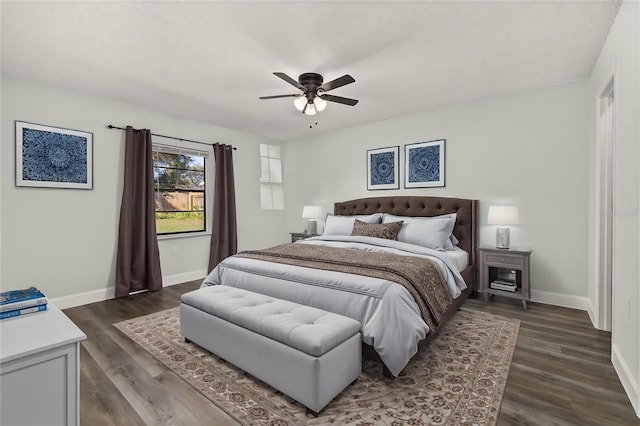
(52, 157)
(424, 164)
(383, 168)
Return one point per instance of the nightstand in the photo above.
(295, 236)
(505, 272)
(40, 369)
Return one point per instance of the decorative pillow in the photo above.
(431, 232)
(388, 231)
(343, 225)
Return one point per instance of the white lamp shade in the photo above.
(300, 102)
(503, 215)
(320, 103)
(311, 109)
(312, 212)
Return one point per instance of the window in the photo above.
(271, 191)
(180, 189)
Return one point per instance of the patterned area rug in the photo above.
(457, 379)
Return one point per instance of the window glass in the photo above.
(180, 190)
(271, 190)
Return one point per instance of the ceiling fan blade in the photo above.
(279, 96)
(338, 82)
(339, 99)
(289, 80)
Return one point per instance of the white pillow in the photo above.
(453, 241)
(343, 225)
(433, 232)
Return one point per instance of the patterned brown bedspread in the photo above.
(419, 275)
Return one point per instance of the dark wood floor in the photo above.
(561, 372)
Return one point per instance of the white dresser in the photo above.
(40, 369)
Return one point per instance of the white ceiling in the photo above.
(210, 61)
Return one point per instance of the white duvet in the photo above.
(390, 317)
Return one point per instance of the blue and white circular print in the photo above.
(424, 164)
(383, 168)
(53, 157)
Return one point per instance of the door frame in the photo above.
(604, 197)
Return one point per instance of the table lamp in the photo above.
(313, 213)
(503, 216)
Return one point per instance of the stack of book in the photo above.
(506, 285)
(21, 302)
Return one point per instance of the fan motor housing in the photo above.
(310, 80)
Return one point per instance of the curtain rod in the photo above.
(110, 126)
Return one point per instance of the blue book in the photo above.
(25, 311)
(19, 295)
(24, 298)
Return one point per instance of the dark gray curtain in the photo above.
(138, 259)
(224, 238)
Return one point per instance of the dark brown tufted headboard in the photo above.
(465, 229)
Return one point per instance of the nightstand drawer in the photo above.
(505, 260)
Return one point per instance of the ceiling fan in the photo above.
(314, 93)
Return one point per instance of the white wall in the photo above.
(1, 191)
(621, 52)
(529, 149)
(64, 241)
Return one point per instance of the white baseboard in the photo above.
(170, 280)
(592, 314)
(107, 293)
(560, 299)
(629, 383)
(64, 302)
(85, 298)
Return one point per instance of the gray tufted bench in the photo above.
(306, 353)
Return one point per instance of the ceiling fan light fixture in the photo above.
(314, 97)
(300, 102)
(319, 103)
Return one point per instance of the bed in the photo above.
(380, 282)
